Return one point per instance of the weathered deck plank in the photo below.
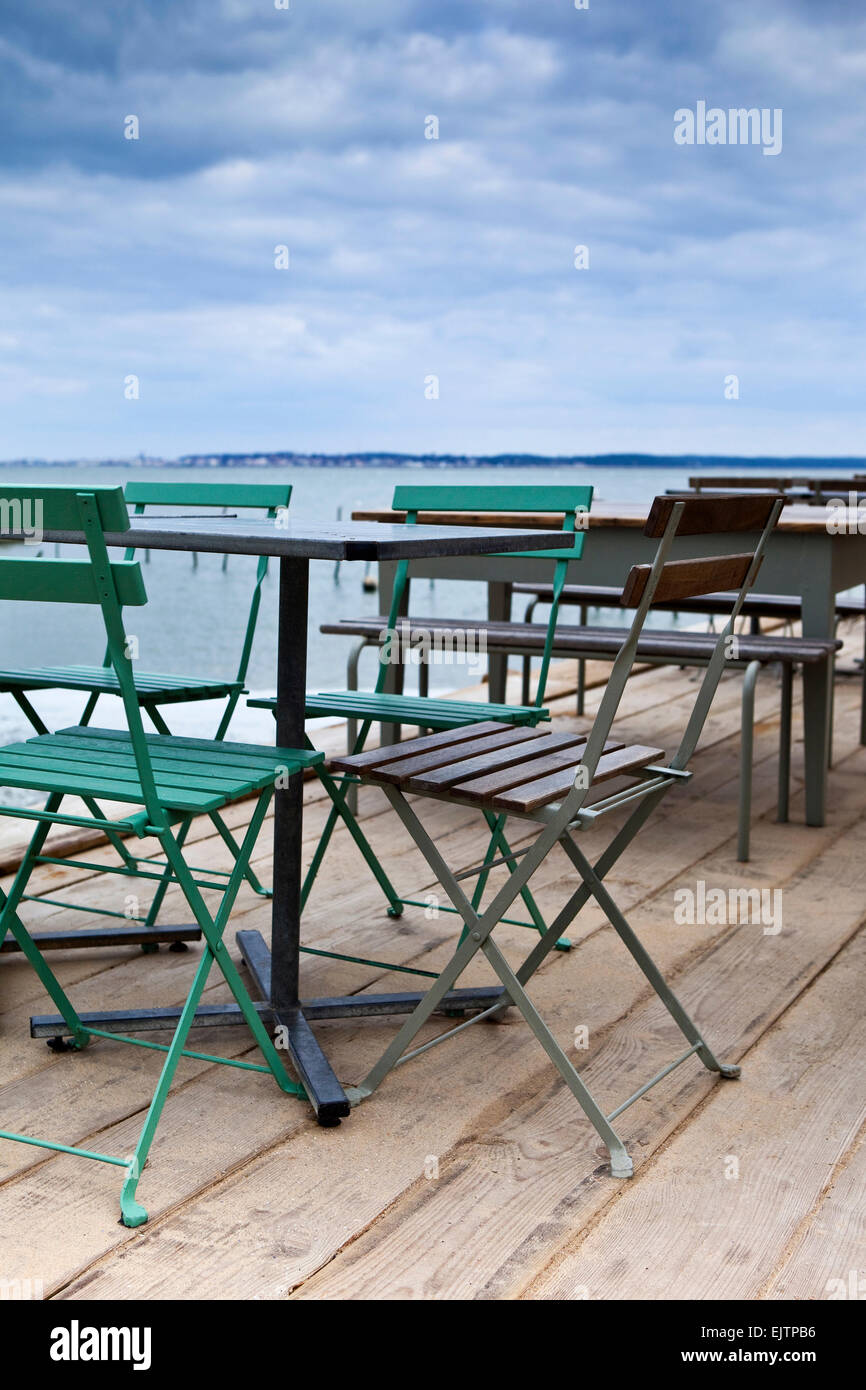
(248, 1197)
(750, 1172)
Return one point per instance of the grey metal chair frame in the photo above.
(559, 824)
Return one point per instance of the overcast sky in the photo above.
(413, 257)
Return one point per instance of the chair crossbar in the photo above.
(564, 945)
(587, 814)
(63, 1148)
(137, 824)
(452, 1032)
(291, 1089)
(364, 960)
(659, 1076)
(80, 907)
(491, 864)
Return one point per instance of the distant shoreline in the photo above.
(386, 460)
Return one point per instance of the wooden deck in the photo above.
(472, 1173)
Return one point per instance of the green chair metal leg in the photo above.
(27, 709)
(162, 887)
(229, 840)
(87, 713)
(113, 839)
(156, 719)
(252, 878)
(132, 1213)
(339, 809)
(9, 921)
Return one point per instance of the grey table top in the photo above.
(350, 540)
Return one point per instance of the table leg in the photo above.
(395, 675)
(819, 610)
(498, 610)
(324, 1090)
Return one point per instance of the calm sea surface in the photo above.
(195, 618)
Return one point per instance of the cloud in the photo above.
(410, 256)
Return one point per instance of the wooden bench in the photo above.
(813, 489)
(784, 607)
(667, 647)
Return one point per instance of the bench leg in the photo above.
(747, 739)
(352, 724)
(527, 660)
(424, 687)
(498, 610)
(581, 669)
(785, 743)
(863, 694)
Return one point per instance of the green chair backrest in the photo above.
(54, 507)
(91, 510)
(504, 497)
(573, 501)
(271, 497)
(210, 494)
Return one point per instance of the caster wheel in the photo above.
(59, 1045)
(177, 948)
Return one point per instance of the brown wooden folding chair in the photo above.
(545, 777)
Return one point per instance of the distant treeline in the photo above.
(730, 462)
(381, 460)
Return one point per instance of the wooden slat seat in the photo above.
(192, 775)
(495, 767)
(154, 686)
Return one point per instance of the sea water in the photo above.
(196, 614)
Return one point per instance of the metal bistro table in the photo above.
(275, 972)
(804, 558)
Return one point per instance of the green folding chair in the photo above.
(155, 691)
(545, 778)
(170, 779)
(379, 706)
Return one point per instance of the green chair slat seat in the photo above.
(428, 712)
(161, 687)
(190, 775)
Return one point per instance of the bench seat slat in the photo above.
(676, 644)
(162, 688)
